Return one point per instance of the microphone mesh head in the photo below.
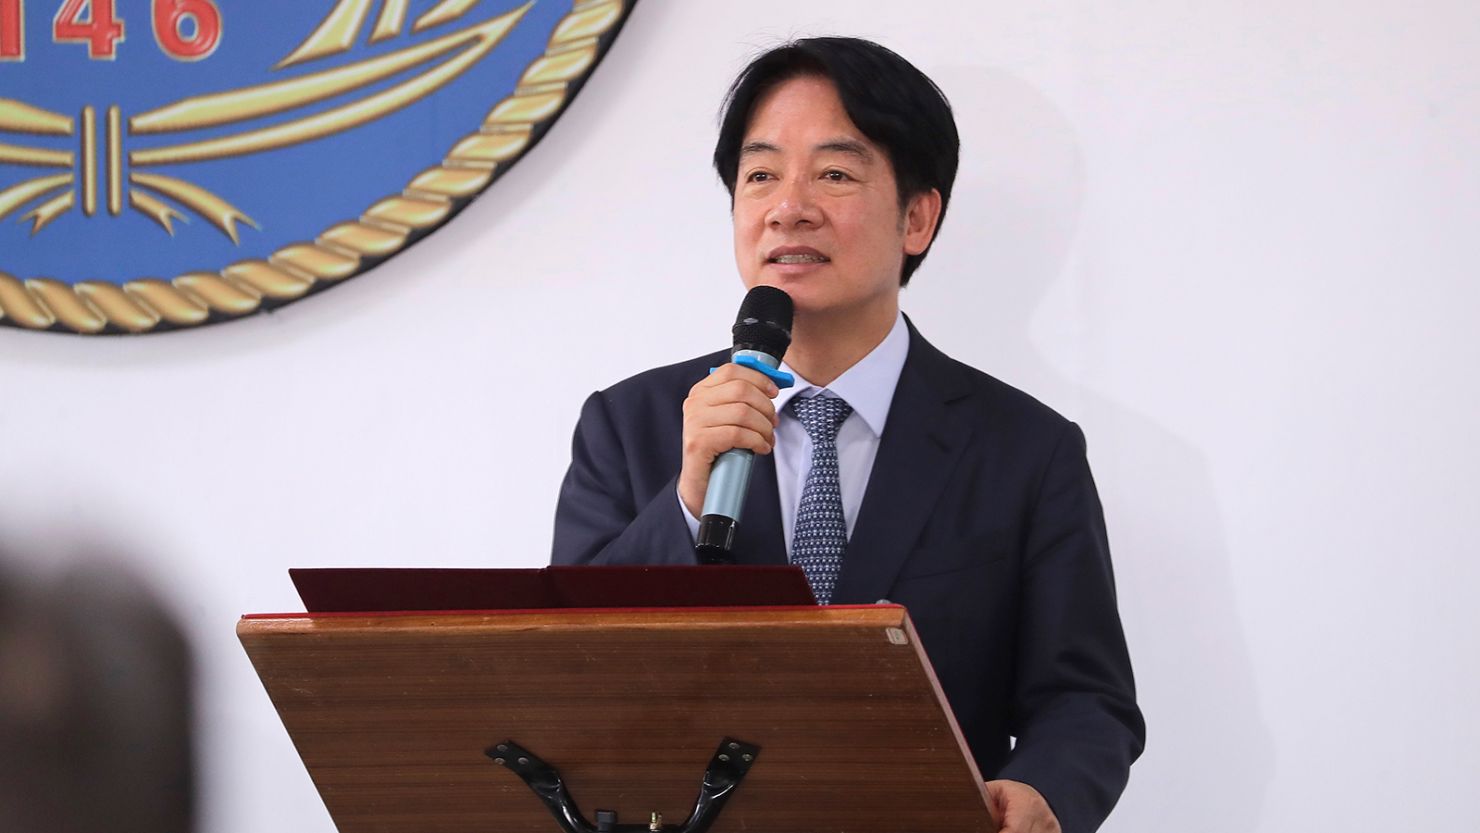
(764, 321)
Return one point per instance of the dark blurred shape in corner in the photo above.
(95, 712)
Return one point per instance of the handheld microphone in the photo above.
(762, 333)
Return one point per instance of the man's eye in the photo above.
(757, 176)
(835, 176)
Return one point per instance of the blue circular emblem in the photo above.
(170, 163)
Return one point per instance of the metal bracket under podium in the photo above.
(726, 770)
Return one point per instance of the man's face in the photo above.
(817, 210)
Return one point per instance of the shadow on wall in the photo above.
(94, 707)
(1209, 755)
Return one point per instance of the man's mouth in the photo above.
(797, 257)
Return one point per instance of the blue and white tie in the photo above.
(821, 534)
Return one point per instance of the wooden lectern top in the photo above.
(392, 714)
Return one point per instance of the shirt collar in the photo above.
(867, 386)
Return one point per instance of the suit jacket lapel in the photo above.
(759, 539)
(917, 454)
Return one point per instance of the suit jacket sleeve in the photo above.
(605, 515)
(1074, 711)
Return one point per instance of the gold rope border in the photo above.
(346, 249)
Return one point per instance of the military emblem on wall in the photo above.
(171, 163)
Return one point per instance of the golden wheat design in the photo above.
(345, 249)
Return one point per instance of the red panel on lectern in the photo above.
(373, 590)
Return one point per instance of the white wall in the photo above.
(1235, 240)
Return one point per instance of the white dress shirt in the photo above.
(868, 387)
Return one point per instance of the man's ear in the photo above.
(920, 218)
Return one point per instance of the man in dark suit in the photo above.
(891, 471)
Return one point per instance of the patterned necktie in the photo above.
(821, 534)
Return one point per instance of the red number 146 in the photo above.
(187, 30)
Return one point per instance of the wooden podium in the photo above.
(398, 718)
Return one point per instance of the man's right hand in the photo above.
(729, 408)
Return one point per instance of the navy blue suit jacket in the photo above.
(980, 516)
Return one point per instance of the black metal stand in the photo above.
(726, 770)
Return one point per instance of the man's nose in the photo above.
(795, 205)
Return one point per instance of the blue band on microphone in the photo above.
(780, 377)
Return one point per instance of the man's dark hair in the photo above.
(896, 106)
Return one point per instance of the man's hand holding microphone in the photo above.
(728, 418)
